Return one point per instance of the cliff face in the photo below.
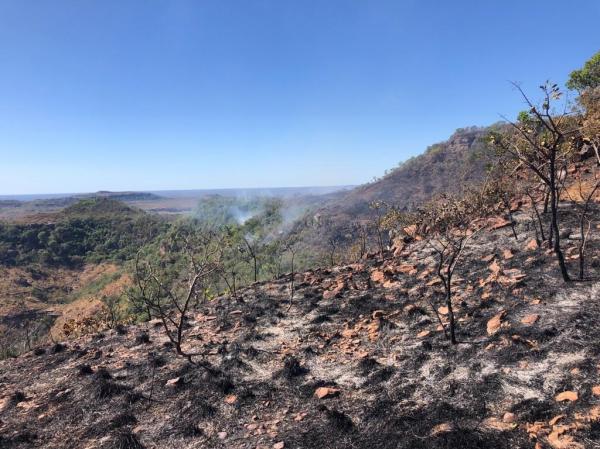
(359, 360)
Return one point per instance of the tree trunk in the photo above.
(446, 280)
(510, 217)
(450, 313)
(581, 262)
(595, 148)
(554, 224)
(540, 223)
(582, 240)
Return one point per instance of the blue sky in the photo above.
(183, 94)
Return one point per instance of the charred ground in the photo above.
(359, 360)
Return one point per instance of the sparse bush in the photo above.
(447, 224)
(542, 142)
(168, 295)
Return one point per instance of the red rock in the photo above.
(507, 254)
(494, 324)
(554, 420)
(336, 292)
(373, 330)
(406, 269)
(498, 223)
(567, 396)
(434, 281)
(530, 319)
(326, 392)
(532, 245)
(488, 258)
(300, 416)
(494, 267)
(279, 445)
(509, 417)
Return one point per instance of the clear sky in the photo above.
(184, 94)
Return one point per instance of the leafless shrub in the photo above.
(170, 287)
(581, 195)
(542, 142)
(447, 224)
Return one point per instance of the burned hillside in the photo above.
(358, 359)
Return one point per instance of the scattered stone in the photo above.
(494, 324)
(175, 382)
(407, 269)
(530, 319)
(567, 396)
(336, 292)
(596, 390)
(222, 435)
(279, 445)
(441, 428)
(326, 392)
(231, 399)
(494, 267)
(423, 334)
(554, 420)
(409, 308)
(499, 222)
(434, 281)
(559, 440)
(373, 330)
(509, 417)
(378, 276)
(507, 254)
(532, 245)
(488, 258)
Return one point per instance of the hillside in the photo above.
(60, 265)
(359, 360)
(462, 157)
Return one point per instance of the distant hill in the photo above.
(92, 230)
(124, 196)
(99, 207)
(29, 207)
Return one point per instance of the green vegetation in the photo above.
(93, 230)
(588, 77)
